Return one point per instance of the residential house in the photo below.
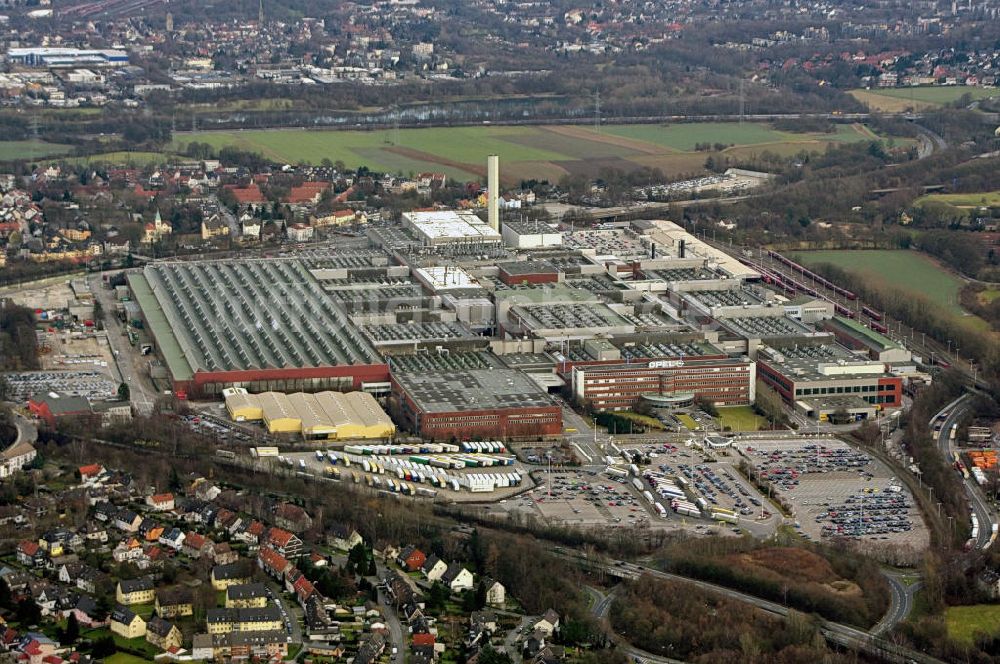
(30, 554)
(233, 574)
(94, 532)
(162, 634)
(299, 232)
(496, 594)
(127, 520)
(484, 620)
(223, 554)
(250, 227)
(284, 542)
(303, 589)
(127, 624)
(90, 474)
(214, 226)
(370, 650)
(105, 512)
(224, 621)
(434, 568)
(174, 539)
(246, 646)
(457, 578)
(292, 517)
(35, 648)
(196, 544)
(135, 591)
(548, 623)
(252, 535)
(273, 563)
(247, 596)
(87, 613)
(343, 537)
(202, 649)
(174, 602)
(161, 502)
(128, 550)
(411, 559)
(15, 457)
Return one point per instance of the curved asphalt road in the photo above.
(979, 505)
(600, 608)
(844, 635)
(900, 602)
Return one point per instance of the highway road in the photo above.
(845, 635)
(984, 513)
(900, 601)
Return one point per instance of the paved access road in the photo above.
(984, 513)
(900, 601)
(130, 363)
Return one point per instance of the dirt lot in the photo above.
(76, 351)
(53, 295)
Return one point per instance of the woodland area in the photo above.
(834, 582)
(18, 343)
(673, 620)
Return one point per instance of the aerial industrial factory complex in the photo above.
(462, 328)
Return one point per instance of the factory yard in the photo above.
(838, 491)
(391, 473)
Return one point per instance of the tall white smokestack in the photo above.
(493, 186)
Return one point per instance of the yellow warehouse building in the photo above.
(327, 415)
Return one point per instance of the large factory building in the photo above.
(263, 325)
(818, 380)
(724, 381)
(486, 403)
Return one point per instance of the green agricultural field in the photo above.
(683, 137)
(965, 621)
(897, 100)
(978, 199)
(11, 150)
(908, 271)
(740, 418)
(526, 152)
(938, 94)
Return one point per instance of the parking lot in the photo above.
(308, 462)
(224, 431)
(584, 499)
(708, 477)
(85, 383)
(838, 491)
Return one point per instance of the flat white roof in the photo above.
(444, 278)
(449, 224)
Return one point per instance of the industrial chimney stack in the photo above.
(493, 186)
